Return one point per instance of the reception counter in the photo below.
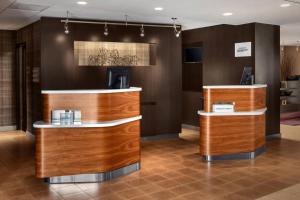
(106, 144)
(233, 135)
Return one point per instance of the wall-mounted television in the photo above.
(192, 55)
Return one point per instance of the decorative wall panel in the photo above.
(7, 78)
(111, 54)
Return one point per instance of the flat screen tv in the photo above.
(192, 55)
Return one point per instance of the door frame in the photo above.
(21, 89)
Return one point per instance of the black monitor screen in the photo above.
(247, 76)
(117, 77)
(193, 55)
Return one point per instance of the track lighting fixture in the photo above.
(67, 21)
(176, 31)
(142, 31)
(67, 24)
(105, 29)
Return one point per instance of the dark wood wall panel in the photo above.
(191, 103)
(7, 78)
(31, 37)
(220, 67)
(161, 83)
(267, 70)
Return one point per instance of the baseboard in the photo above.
(187, 126)
(161, 136)
(273, 136)
(7, 128)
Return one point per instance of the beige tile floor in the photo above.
(293, 192)
(290, 132)
(290, 193)
(171, 169)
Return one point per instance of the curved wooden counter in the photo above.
(95, 105)
(231, 134)
(68, 151)
(105, 145)
(234, 135)
(249, 98)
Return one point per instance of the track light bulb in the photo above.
(66, 24)
(177, 33)
(142, 31)
(66, 28)
(105, 30)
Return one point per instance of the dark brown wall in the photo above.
(7, 78)
(31, 37)
(161, 95)
(267, 70)
(220, 67)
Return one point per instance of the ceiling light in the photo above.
(81, 2)
(105, 29)
(142, 31)
(158, 8)
(177, 32)
(227, 14)
(285, 5)
(66, 26)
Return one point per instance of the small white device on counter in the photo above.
(223, 107)
(66, 117)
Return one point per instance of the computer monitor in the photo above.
(117, 77)
(247, 78)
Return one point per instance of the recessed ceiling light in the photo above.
(227, 14)
(158, 8)
(285, 5)
(81, 2)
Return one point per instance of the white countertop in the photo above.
(131, 89)
(234, 86)
(257, 112)
(41, 124)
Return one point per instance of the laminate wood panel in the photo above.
(249, 99)
(68, 151)
(221, 135)
(94, 107)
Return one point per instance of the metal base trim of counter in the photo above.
(97, 177)
(239, 156)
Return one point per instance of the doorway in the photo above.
(21, 97)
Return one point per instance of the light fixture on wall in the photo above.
(105, 29)
(176, 31)
(142, 31)
(67, 31)
(298, 45)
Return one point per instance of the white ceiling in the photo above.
(190, 13)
